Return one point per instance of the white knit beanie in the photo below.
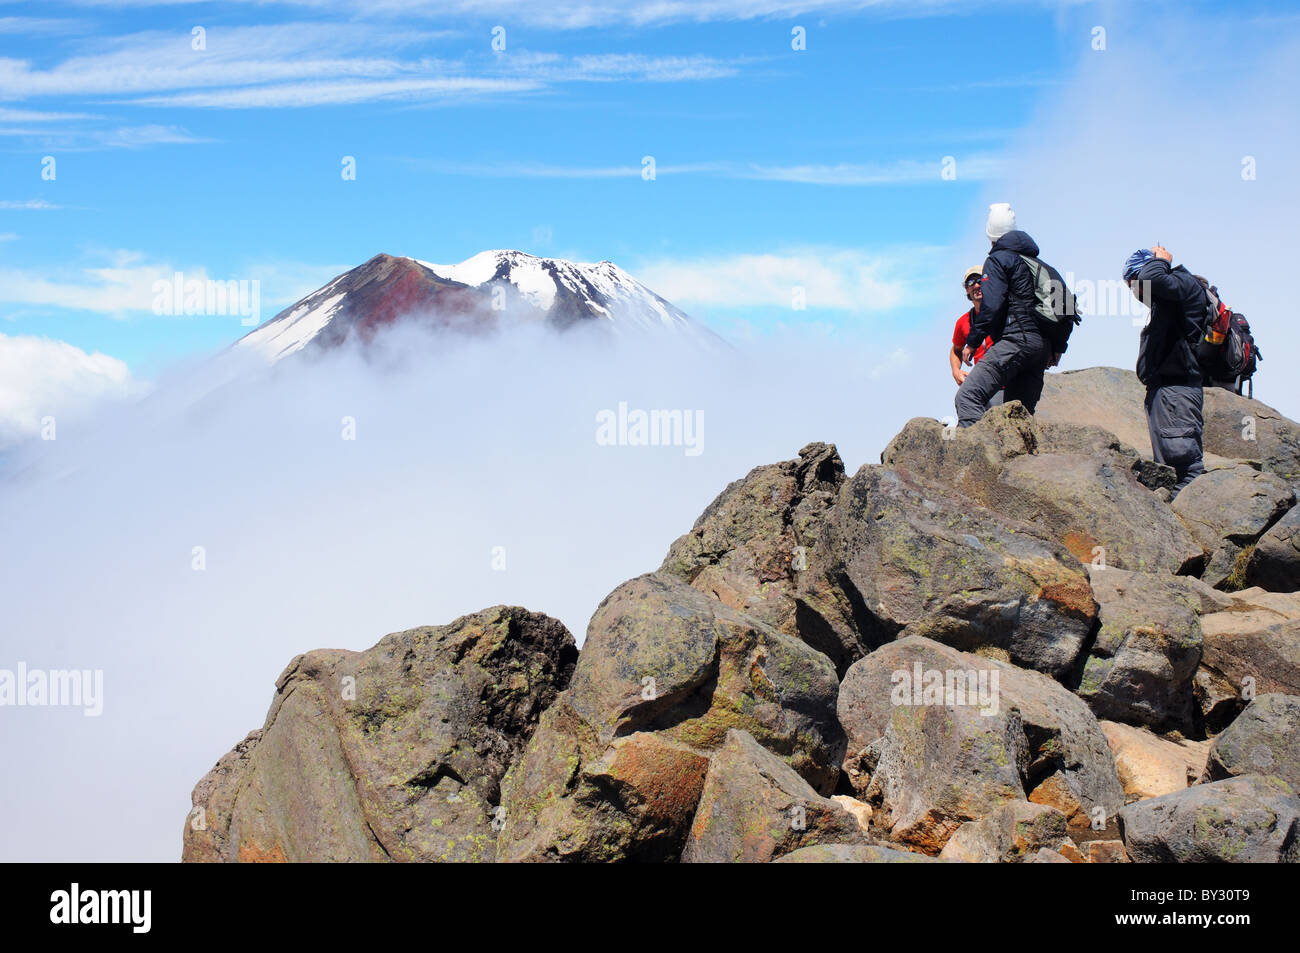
(1001, 220)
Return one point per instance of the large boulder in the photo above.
(1240, 659)
(1250, 819)
(749, 546)
(1236, 428)
(1142, 664)
(1106, 397)
(938, 737)
(1239, 428)
(1227, 510)
(1149, 765)
(394, 753)
(1072, 486)
(1264, 739)
(674, 669)
(937, 767)
(852, 854)
(754, 808)
(899, 555)
(1010, 834)
(1275, 562)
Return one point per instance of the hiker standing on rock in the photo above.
(1010, 315)
(1167, 362)
(961, 331)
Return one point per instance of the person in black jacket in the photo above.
(1021, 351)
(1167, 362)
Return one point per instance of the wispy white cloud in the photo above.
(290, 65)
(29, 115)
(813, 279)
(121, 283)
(34, 205)
(899, 172)
(340, 92)
(66, 139)
(123, 286)
(588, 14)
(39, 26)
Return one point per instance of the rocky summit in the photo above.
(1000, 644)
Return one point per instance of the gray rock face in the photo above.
(1264, 739)
(900, 555)
(676, 670)
(394, 753)
(1013, 833)
(1075, 487)
(1267, 659)
(1250, 819)
(754, 809)
(853, 854)
(1227, 510)
(1143, 661)
(1107, 397)
(931, 766)
(1275, 563)
(747, 549)
(935, 768)
(1239, 428)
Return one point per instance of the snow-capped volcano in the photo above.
(480, 293)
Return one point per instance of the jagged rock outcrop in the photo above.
(394, 753)
(1228, 510)
(749, 546)
(665, 660)
(899, 556)
(1251, 819)
(1263, 739)
(1069, 483)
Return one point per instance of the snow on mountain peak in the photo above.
(387, 288)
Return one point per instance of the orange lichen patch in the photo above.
(1073, 596)
(1080, 545)
(1107, 852)
(1070, 851)
(667, 778)
(252, 854)
(1054, 792)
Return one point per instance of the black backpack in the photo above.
(1226, 349)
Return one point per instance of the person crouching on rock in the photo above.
(1167, 362)
(1021, 353)
(961, 332)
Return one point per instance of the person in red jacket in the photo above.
(971, 283)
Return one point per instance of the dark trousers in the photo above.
(1176, 422)
(1014, 365)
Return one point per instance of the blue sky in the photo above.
(225, 162)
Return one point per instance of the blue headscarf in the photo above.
(1135, 262)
